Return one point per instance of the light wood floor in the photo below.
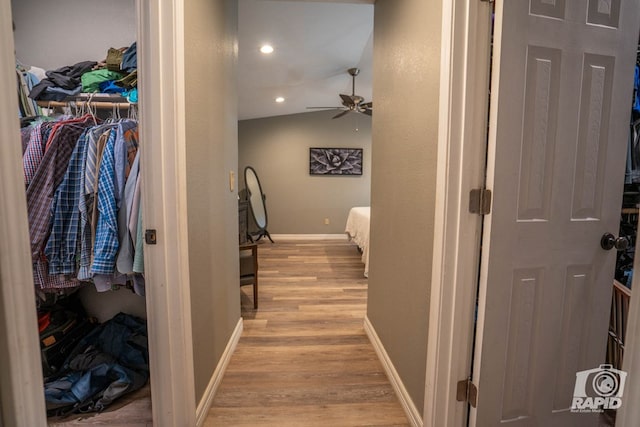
(303, 358)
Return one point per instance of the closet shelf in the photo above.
(630, 210)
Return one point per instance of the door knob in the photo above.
(609, 241)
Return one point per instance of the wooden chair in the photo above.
(249, 268)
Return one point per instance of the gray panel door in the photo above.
(560, 108)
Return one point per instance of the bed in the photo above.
(357, 229)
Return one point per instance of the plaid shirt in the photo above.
(88, 182)
(106, 244)
(45, 282)
(34, 151)
(118, 156)
(62, 245)
(40, 191)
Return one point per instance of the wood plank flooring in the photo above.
(303, 358)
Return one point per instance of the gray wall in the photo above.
(212, 140)
(406, 67)
(278, 149)
(50, 34)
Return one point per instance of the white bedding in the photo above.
(357, 229)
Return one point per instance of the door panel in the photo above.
(560, 103)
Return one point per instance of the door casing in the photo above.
(462, 147)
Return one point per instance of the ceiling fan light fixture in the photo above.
(266, 49)
(351, 102)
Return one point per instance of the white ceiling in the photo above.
(315, 43)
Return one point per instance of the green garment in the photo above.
(129, 81)
(91, 80)
(114, 59)
(138, 258)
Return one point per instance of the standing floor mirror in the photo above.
(257, 203)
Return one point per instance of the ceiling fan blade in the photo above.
(368, 112)
(340, 114)
(367, 105)
(347, 100)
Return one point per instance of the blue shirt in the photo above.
(62, 244)
(87, 199)
(119, 154)
(106, 244)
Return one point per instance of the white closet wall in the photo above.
(51, 34)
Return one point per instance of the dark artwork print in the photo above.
(335, 161)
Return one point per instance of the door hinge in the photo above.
(467, 392)
(480, 201)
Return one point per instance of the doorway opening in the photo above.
(76, 88)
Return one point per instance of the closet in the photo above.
(86, 234)
(629, 216)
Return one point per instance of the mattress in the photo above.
(357, 229)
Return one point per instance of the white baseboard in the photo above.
(275, 237)
(403, 395)
(216, 378)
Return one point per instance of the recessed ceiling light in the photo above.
(279, 99)
(266, 48)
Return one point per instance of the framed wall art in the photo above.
(335, 161)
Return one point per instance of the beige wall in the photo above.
(278, 149)
(406, 74)
(211, 125)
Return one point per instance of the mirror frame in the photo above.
(262, 231)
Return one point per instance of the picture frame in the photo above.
(335, 161)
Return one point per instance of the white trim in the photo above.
(415, 419)
(277, 237)
(20, 364)
(461, 157)
(207, 399)
(162, 132)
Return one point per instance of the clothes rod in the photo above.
(95, 104)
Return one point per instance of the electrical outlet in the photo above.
(326, 221)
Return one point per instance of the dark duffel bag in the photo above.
(64, 330)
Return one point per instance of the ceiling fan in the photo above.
(351, 102)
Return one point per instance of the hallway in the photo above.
(303, 358)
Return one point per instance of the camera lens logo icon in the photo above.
(598, 389)
(605, 383)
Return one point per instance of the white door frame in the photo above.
(161, 65)
(20, 364)
(464, 83)
(462, 129)
(163, 136)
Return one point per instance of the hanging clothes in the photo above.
(82, 179)
(26, 80)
